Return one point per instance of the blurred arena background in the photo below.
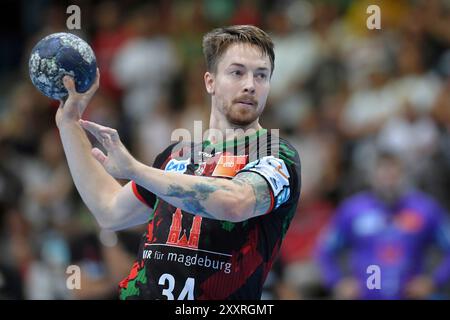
(339, 93)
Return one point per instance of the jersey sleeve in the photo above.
(282, 174)
(146, 197)
(274, 171)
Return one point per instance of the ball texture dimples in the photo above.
(61, 54)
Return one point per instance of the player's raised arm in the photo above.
(113, 206)
(248, 195)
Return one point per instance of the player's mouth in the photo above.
(247, 102)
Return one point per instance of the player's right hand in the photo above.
(73, 108)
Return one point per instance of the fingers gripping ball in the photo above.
(61, 54)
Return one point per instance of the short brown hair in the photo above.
(218, 40)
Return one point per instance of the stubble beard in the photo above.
(240, 116)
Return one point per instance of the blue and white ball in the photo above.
(61, 54)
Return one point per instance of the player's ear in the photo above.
(209, 82)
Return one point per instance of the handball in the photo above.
(61, 54)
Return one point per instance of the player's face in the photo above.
(387, 179)
(241, 84)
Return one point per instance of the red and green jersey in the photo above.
(186, 256)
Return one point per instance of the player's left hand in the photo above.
(419, 287)
(118, 162)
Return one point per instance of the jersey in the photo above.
(186, 256)
(392, 238)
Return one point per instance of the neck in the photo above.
(221, 128)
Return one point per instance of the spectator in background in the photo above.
(47, 185)
(441, 116)
(299, 53)
(145, 65)
(320, 159)
(390, 226)
(109, 37)
(247, 13)
(10, 284)
(24, 122)
(11, 190)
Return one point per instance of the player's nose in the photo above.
(249, 84)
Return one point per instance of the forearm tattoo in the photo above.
(260, 190)
(194, 197)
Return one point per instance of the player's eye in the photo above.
(236, 73)
(261, 76)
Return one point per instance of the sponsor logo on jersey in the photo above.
(409, 221)
(228, 165)
(177, 165)
(204, 154)
(200, 169)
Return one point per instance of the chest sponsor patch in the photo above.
(229, 165)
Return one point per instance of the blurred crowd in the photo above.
(340, 93)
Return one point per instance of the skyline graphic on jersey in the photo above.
(176, 228)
